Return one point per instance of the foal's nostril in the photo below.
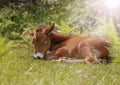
(38, 57)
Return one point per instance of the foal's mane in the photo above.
(57, 40)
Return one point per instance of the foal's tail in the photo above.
(108, 60)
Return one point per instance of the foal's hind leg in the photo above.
(87, 51)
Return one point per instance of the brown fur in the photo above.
(89, 49)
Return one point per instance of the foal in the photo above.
(88, 49)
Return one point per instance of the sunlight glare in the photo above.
(112, 4)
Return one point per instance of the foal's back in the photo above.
(77, 46)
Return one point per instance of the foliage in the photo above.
(26, 38)
(81, 14)
(85, 14)
(43, 12)
(46, 11)
(13, 25)
(64, 28)
(5, 48)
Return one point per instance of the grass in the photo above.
(22, 69)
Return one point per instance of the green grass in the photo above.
(22, 69)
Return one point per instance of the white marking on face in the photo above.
(38, 55)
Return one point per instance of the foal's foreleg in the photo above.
(60, 52)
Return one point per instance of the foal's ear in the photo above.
(32, 34)
(49, 29)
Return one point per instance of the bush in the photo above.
(13, 22)
(14, 19)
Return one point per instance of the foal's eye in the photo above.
(45, 42)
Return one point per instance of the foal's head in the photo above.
(41, 41)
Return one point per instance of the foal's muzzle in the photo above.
(38, 55)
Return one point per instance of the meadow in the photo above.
(81, 17)
(22, 69)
